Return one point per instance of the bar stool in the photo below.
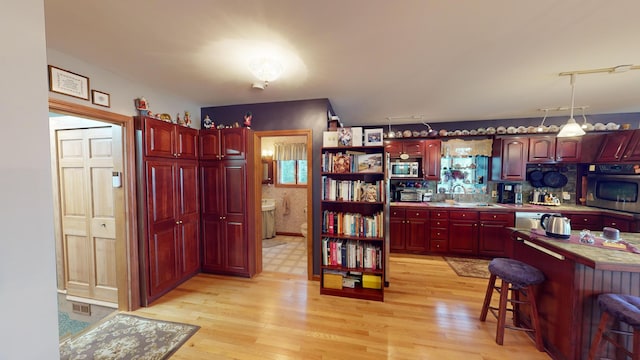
(519, 278)
(618, 308)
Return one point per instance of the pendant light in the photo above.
(571, 128)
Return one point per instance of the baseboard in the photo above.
(92, 301)
(288, 234)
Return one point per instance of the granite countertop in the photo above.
(592, 256)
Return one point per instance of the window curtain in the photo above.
(292, 151)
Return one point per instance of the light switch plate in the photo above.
(566, 195)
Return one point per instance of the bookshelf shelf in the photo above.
(352, 205)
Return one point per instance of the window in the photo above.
(291, 172)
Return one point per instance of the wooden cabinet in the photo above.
(431, 160)
(353, 260)
(492, 236)
(428, 151)
(409, 229)
(632, 152)
(620, 223)
(582, 221)
(510, 157)
(223, 144)
(164, 139)
(551, 149)
(229, 239)
(463, 230)
(439, 231)
(398, 147)
(169, 216)
(613, 146)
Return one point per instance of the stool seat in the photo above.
(516, 272)
(622, 307)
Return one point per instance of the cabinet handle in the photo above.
(612, 224)
(437, 245)
(494, 216)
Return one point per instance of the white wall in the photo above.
(122, 91)
(28, 305)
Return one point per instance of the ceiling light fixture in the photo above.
(541, 126)
(613, 69)
(266, 70)
(571, 128)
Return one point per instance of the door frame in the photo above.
(127, 259)
(308, 133)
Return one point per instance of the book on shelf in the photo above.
(341, 163)
(353, 254)
(356, 136)
(352, 224)
(370, 162)
(350, 190)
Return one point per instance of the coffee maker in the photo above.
(507, 193)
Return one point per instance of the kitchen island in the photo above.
(575, 275)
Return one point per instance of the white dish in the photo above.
(501, 130)
(600, 126)
(511, 130)
(612, 126)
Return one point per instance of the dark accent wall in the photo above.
(286, 115)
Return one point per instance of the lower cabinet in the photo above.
(439, 231)
(492, 236)
(463, 230)
(581, 221)
(409, 230)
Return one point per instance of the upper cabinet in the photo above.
(510, 155)
(431, 159)
(613, 146)
(168, 140)
(632, 153)
(411, 148)
(551, 149)
(223, 144)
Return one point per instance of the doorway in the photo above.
(292, 209)
(96, 252)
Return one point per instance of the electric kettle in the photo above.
(556, 225)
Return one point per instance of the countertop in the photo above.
(595, 257)
(512, 207)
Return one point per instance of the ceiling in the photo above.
(377, 61)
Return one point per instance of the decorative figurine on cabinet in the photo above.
(207, 123)
(179, 121)
(247, 119)
(187, 119)
(143, 106)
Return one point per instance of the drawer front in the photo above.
(439, 223)
(495, 216)
(438, 246)
(397, 213)
(417, 214)
(439, 234)
(463, 215)
(437, 214)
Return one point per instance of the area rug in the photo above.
(477, 268)
(68, 326)
(124, 336)
(269, 243)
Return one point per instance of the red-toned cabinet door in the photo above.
(431, 160)
(232, 144)
(542, 149)
(397, 229)
(614, 146)
(210, 144)
(569, 149)
(186, 143)
(514, 158)
(632, 153)
(159, 138)
(188, 216)
(417, 225)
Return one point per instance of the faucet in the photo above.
(453, 189)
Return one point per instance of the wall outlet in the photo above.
(494, 193)
(566, 195)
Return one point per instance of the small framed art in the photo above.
(373, 137)
(100, 98)
(68, 83)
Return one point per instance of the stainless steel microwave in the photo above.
(614, 187)
(404, 169)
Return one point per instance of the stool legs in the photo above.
(605, 322)
(501, 314)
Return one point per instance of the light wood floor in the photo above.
(428, 313)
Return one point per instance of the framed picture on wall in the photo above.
(373, 137)
(65, 82)
(100, 98)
